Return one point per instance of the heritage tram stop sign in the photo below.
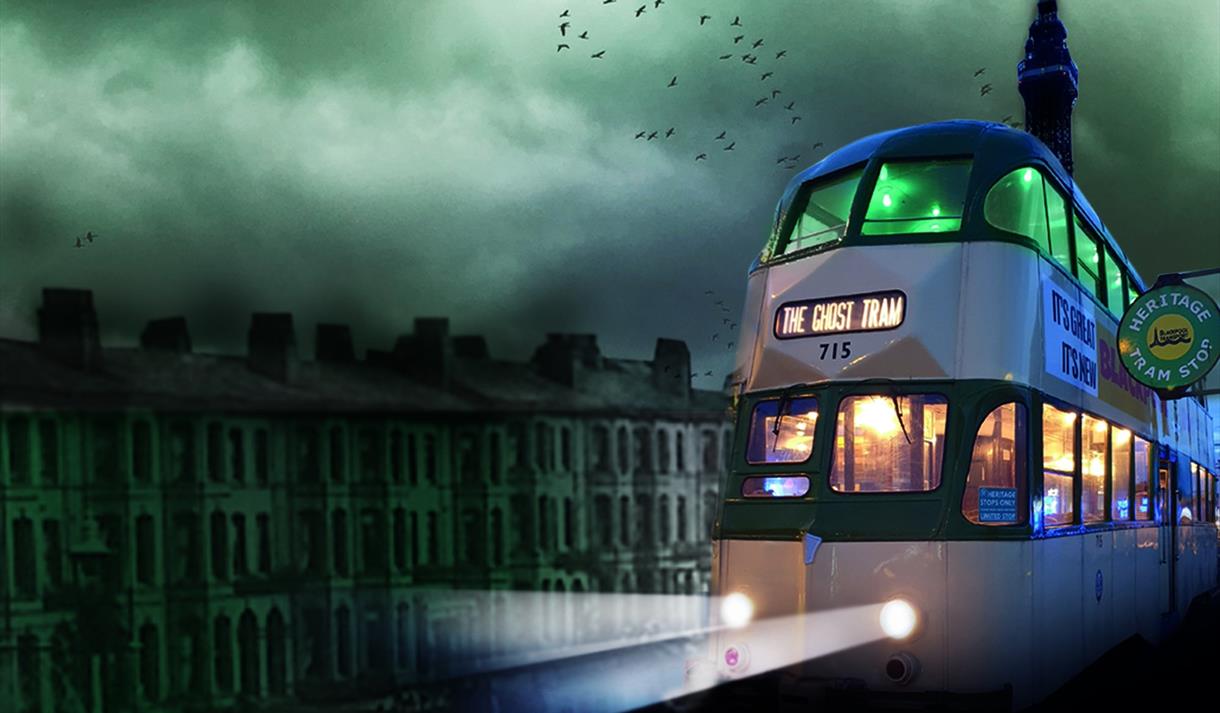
(1169, 337)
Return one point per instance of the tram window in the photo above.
(1132, 293)
(1114, 284)
(794, 440)
(1058, 464)
(775, 486)
(1120, 472)
(1056, 211)
(824, 217)
(1088, 258)
(997, 469)
(1093, 432)
(918, 197)
(1017, 203)
(1143, 466)
(889, 444)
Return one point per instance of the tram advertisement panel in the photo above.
(1069, 334)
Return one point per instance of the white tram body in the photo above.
(1019, 602)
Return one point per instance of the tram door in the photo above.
(1167, 534)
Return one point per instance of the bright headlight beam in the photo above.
(898, 619)
(736, 610)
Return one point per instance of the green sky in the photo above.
(371, 162)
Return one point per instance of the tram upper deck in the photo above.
(937, 252)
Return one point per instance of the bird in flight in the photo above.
(563, 28)
(78, 243)
(794, 158)
(781, 54)
(669, 132)
(730, 146)
(795, 119)
(715, 337)
(736, 22)
(598, 55)
(607, 2)
(791, 106)
(765, 75)
(778, 161)
(733, 325)
(91, 235)
(657, 4)
(560, 48)
(641, 10)
(721, 136)
(707, 373)
(984, 90)
(674, 82)
(701, 157)
(730, 345)
(719, 302)
(775, 93)
(584, 35)
(758, 43)
(752, 60)
(760, 102)
(652, 136)
(703, 19)
(817, 146)
(640, 135)
(564, 13)
(979, 71)
(726, 56)
(738, 38)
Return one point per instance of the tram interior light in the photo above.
(886, 200)
(898, 619)
(1029, 175)
(878, 414)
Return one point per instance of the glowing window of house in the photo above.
(782, 440)
(998, 469)
(918, 197)
(823, 213)
(1058, 465)
(887, 444)
(1017, 203)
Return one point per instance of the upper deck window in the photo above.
(889, 444)
(1088, 258)
(1056, 212)
(1017, 203)
(918, 197)
(1114, 284)
(823, 219)
(786, 440)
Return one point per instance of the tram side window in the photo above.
(1017, 203)
(1088, 258)
(1143, 466)
(918, 197)
(1120, 471)
(823, 219)
(1133, 293)
(885, 444)
(786, 440)
(1056, 211)
(1058, 464)
(1093, 433)
(1114, 284)
(996, 484)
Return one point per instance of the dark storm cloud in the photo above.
(375, 162)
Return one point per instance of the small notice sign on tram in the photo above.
(1069, 335)
(997, 504)
(869, 312)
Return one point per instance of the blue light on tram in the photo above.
(1122, 508)
(775, 487)
(1143, 504)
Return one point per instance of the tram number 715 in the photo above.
(835, 350)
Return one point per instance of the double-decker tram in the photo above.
(936, 442)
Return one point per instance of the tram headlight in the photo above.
(736, 610)
(898, 619)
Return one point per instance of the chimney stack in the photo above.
(334, 344)
(563, 358)
(67, 327)
(671, 367)
(169, 334)
(273, 345)
(427, 353)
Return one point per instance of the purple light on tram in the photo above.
(775, 487)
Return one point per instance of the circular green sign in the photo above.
(1170, 337)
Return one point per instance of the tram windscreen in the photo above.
(782, 440)
(889, 444)
(918, 197)
(823, 216)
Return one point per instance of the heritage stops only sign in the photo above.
(1170, 337)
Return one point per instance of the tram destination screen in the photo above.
(868, 312)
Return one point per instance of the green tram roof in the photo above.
(995, 148)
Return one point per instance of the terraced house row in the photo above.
(195, 529)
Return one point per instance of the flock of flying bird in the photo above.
(88, 237)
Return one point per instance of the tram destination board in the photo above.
(867, 312)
